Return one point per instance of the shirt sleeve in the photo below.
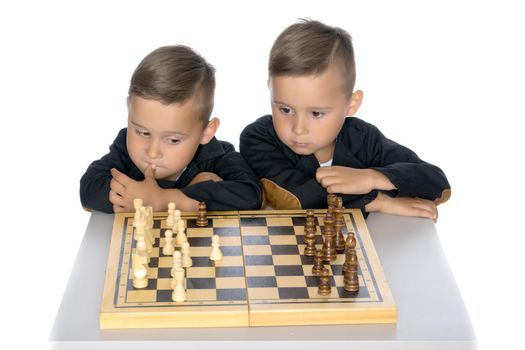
(94, 184)
(239, 190)
(411, 176)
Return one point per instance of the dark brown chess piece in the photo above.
(339, 224)
(328, 250)
(309, 234)
(318, 263)
(202, 220)
(324, 283)
(350, 267)
(351, 279)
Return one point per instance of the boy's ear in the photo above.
(355, 102)
(210, 130)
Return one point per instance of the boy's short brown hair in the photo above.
(174, 74)
(309, 47)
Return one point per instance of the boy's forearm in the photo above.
(377, 203)
(381, 182)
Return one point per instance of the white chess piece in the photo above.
(179, 294)
(168, 247)
(139, 273)
(216, 253)
(171, 215)
(186, 259)
(137, 204)
(142, 249)
(181, 235)
(177, 262)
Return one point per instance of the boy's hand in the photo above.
(205, 176)
(340, 179)
(405, 206)
(123, 190)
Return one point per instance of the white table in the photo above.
(431, 313)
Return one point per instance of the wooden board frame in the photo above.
(377, 307)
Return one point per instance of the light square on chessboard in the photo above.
(230, 282)
(164, 283)
(259, 270)
(230, 241)
(153, 273)
(201, 294)
(166, 261)
(200, 271)
(270, 293)
(200, 251)
(199, 232)
(141, 296)
(287, 260)
(225, 223)
(230, 261)
(279, 221)
(257, 250)
(254, 231)
(290, 281)
(279, 240)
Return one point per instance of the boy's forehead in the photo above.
(324, 86)
(159, 117)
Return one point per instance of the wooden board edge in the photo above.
(235, 317)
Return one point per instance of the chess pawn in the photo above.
(186, 259)
(177, 262)
(324, 284)
(171, 215)
(181, 235)
(318, 263)
(216, 253)
(202, 221)
(179, 294)
(168, 247)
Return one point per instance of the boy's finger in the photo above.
(149, 172)
(116, 186)
(120, 177)
(115, 198)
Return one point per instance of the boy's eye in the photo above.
(317, 114)
(285, 110)
(173, 141)
(142, 133)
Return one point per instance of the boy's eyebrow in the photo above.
(165, 132)
(311, 107)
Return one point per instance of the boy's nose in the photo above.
(153, 150)
(299, 126)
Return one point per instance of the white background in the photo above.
(445, 78)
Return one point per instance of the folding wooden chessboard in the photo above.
(264, 279)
